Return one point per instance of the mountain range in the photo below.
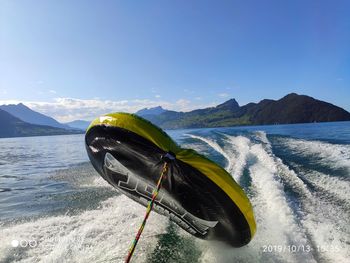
(11, 126)
(151, 111)
(292, 108)
(26, 114)
(78, 124)
(20, 120)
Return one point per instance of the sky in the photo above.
(79, 59)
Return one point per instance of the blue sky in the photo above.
(74, 59)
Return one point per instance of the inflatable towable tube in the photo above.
(197, 194)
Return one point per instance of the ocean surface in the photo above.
(55, 208)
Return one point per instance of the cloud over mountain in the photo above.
(69, 109)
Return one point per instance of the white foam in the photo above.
(328, 227)
(334, 155)
(276, 223)
(326, 223)
(101, 235)
(235, 152)
(332, 185)
(238, 148)
(283, 171)
(262, 136)
(291, 178)
(216, 147)
(323, 227)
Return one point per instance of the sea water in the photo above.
(54, 207)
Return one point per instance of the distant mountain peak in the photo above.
(292, 95)
(79, 124)
(157, 108)
(28, 115)
(12, 126)
(231, 104)
(292, 108)
(151, 111)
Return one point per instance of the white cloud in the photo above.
(52, 91)
(183, 103)
(69, 109)
(157, 96)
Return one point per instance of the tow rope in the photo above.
(166, 158)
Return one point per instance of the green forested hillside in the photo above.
(292, 108)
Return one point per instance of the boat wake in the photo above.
(296, 219)
(302, 211)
